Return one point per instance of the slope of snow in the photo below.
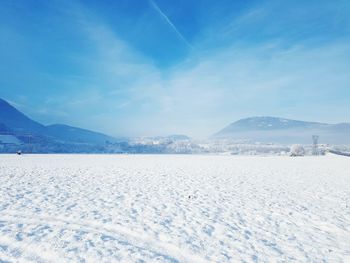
(166, 208)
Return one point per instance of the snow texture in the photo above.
(174, 208)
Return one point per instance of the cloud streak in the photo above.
(171, 24)
(117, 89)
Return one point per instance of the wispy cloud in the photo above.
(171, 24)
(116, 89)
(237, 82)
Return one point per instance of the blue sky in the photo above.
(157, 67)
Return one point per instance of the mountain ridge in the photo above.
(264, 129)
(14, 120)
(17, 123)
(283, 130)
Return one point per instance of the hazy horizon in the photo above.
(150, 67)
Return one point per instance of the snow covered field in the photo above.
(174, 208)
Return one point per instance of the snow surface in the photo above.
(174, 208)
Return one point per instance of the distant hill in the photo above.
(280, 130)
(16, 121)
(12, 121)
(74, 134)
(19, 132)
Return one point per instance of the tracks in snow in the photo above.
(117, 232)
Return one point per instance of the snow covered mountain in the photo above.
(269, 123)
(280, 130)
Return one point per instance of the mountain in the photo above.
(280, 130)
(12, 121)
(16, 121)
(74, 134)
(19, 132)
(269, 123)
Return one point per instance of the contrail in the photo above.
(156, 7)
